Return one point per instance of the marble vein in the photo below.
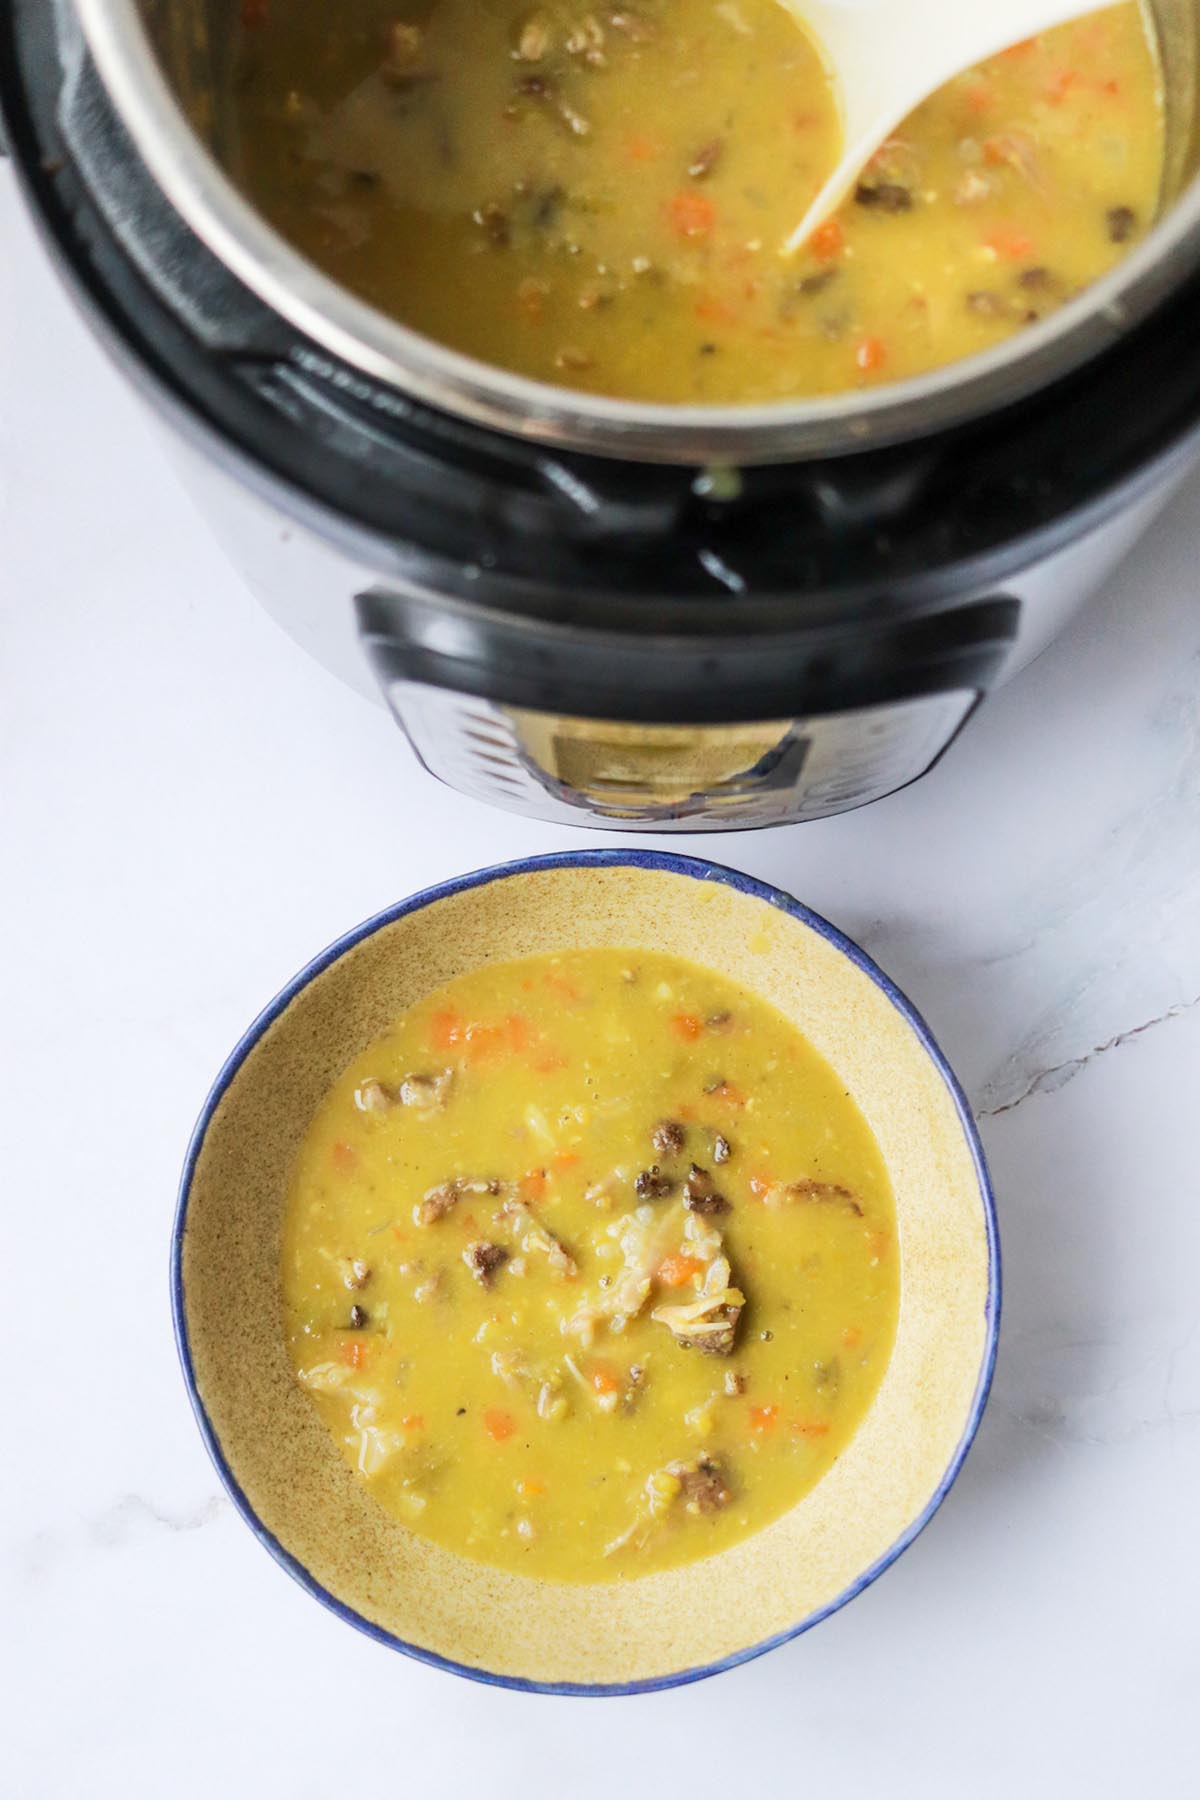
(1048, 1081)
(130, 1519)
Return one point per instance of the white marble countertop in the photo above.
(189, 808)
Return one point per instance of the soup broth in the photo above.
(598, 196)
(590, 1265)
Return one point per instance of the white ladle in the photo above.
(889, 55)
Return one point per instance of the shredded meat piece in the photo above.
(552, 1403)
(601, 1193)
(586, 39)
(643, 1237)
(404, 44)
(885, 196)
(699, 1194)
(825, 1193)
(439, 1200)
(972, 188)
(357, 1274)
(1121, 222)
(437, 1203)
(735, 1383)
(722, 1149)
(427, 1093)
(699, 1484)
(667, 1137)
(634, 27)
(703, 1484)
(652, 1184)
(533, 1237)
(535, 40)
(483, 1260)
(706, 159)
(495, 223)
(708, 1323)
(371, 1096)
(987, 303)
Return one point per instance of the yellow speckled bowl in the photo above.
(281, 1465)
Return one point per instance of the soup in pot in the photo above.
(598, 195)
(590, 1265)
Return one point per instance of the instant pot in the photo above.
(584, 610)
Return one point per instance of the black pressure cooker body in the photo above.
(589, 638)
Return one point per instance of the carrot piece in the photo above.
(412, 1422)
(498, 1424)
(345, 1158)
(715, 312)
(978, 97)
(869, 355)
(484, 1041)
(729, 1092)
(675, 1271)
(1010, 244)
(446, 1030)
(565, 1159)
(760, 1183)
(604, 1378)
(532, 1184)
(353, 1352)
(687, 1025)
(851, 1335)
(518, 1031)
(691, 214)
(811, 1427)
(530, 1487)
(547, 1064)
(763, 1418)
(878, 1243)
(827, 241)
(641, 149)
(532, 295)
(565, 989)
(1021, 49)
(1060, 85)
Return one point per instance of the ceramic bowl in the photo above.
(280, 1464)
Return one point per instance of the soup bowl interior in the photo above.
(282, 1464)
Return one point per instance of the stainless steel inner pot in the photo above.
(162, 62)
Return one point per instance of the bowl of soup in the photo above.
(586, 1274)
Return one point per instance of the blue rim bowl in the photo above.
(700, 870)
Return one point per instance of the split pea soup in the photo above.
(598, 195)
(590, 1265)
